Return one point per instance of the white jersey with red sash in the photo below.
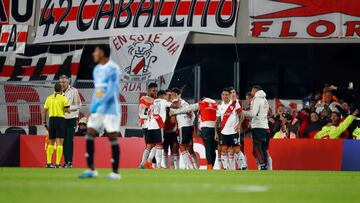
(229, 114)
(144, 107)
(157, 114)
(186, 119)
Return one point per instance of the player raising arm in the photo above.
(207, 109)
(105, 110)
(329, 131)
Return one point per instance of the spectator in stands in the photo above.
(289, 127)
(349, 94)
(356, 131)
(335, 119)
(82, 127)
(304, 118)
(330, 131)
(314, 126)
(275, 120)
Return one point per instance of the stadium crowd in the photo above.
(330, 113)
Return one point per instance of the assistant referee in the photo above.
(55, 105)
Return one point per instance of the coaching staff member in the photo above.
(72, 94)
(258, 112)
(56, 105)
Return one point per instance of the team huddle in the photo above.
(168, 126)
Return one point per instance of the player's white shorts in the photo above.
(99, 122)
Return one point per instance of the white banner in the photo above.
(45, 66)
(147, 56)
(304, 18)
(17, 12)
(13, 38)
(83, 19)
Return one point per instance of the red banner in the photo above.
(305, 18)
(299, 154)
(41, 67)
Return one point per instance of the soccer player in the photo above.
(258, 113)
(56, 105)
(228, 113)
(144, 106)
(72, 94)
(156, 124)
(238, 153)
(207, 109)
(186, 128)
(105, 110)
(170, 138)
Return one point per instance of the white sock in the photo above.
(269, 163)
(220, 163)
(225, 160)
(166, 159)
(240, 160)
(195, 161)
(145, 156)
(158, 156)
(176, 162)
(231, 162)
(152, 154)
(187, 160)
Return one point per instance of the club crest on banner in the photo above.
(147, 56)
(142, 59)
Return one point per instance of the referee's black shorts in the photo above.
(57, 127)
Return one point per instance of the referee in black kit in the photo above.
(55, 105)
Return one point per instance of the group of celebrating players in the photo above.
(168, 122)
(168, 125)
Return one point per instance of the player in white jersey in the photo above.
(185, 124)
(105, 110)
(239, 156)
(144, 106)
(228, 115)
(156, 123)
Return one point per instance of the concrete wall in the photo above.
(242, 36)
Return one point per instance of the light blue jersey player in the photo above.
(105, 111)
(105, 105)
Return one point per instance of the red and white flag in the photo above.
(305, 18)
(25, 68)
(13, 38)
(294, 106)
(79, 19)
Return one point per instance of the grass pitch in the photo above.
(62, 185)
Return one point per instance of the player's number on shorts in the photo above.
(237, 140)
